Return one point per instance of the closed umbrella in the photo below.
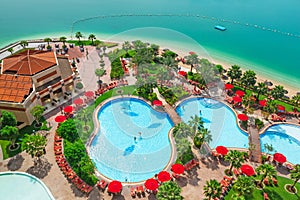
(222, 150)
(151, 184)
(163, 176)
(177, 168)
(115, 187)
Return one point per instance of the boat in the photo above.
(220, 28)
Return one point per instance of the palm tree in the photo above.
(196, 123)
(192, 60)
(296, 99)
(63, 39)
(220, 69)
(138, 44)
(182, 146)
(234, 73)
(169, 191)
(212, 189)
(23, 43)
(155, 48)
(170, 63)
(248, 79)
(295, 175)
(261, 88)
(78, 35)
(278, 92)
(182, 130)
(248, 101)
(270, 108)
(99, 73)
(10, 132)
(266, 171)
(236, 158)
(126, 46)
(11, 50)
(48, 40)
(202, 135)
(92, 37)
(243, 185)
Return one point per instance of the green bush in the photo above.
(258, 123)
(79, 85)
(68, 130)
(116, 69)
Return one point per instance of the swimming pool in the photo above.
(218, 118)
(285, 138)
(20, 185)
(120, 152)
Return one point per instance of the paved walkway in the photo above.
(254, 139)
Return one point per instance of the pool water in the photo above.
(19, 185)
(285, 138)
(218, 118)
(120, 152)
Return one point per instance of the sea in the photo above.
(261, 35)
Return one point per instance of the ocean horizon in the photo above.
(263, 36)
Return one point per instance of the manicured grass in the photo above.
(89, 43)
(5, 151)
(275, 192)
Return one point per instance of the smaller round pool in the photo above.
(285, 138)
(20, 185)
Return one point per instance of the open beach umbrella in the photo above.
(163, 176)
(243, 117)
(115, 186)
(228, 86)
(157, 103)
(222, 150)
(177, 168)
(247, 170)
(60, 118)
(182, 73)
(263, 103)
(279, 158)
(151, 184)
(191, 53)
(280, 108)
(237, 99)
(240, 93)
(89, 94)
(68, 109)
(78, 101)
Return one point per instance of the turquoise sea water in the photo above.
(272, 54)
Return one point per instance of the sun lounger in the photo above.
(275, 182)
(132, 192)
(266, 197)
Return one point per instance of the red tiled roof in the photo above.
(28, 62)
(14, 88)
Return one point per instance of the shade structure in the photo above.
(78, 101)
(228, 86)
(222, 150)
(263, 103)
(68, 109)
(60, 118)
(243, 117)
(115, 187)
(157, 103)
(240, 93)
(280, 108)
(237, 99)
(151, 184)
(164, 176)
(278, 157)
(182, 73)
(191, 53)
(247, 170)
(177, 168)
(89, 94)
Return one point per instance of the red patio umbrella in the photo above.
(191, 53)
(60, 118)
(78, 101)
(157, 103)
(89, 94)
(237, 99)
(115, 186)
(177, 168)
(240, 93)
(163, 176)
(280, 108)
(222, 150)
(151, 184)
(182, 73)
(228, 86)
(247, 170)
(243, 117)
(279, 158)
(263, 103)
(68, 109)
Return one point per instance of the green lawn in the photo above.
(274, 193)
(6, 152)
(89, 42)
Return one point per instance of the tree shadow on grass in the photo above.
(273, 194)
(40, 169)
(282, 170)
(15, 163)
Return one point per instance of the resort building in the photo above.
(34, 77)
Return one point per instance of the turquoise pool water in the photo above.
(285, 138)
(218, 118)
(116, 152)
(19, 185)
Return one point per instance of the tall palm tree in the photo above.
(155, 48)
(212, 189)
(99, 73)
(236, 158)
(248, 79)
(270, 108)
(261, 88)
(182, 146)
(234, 73)
(170, 63)
(296, 99)
(248, 101)
(195, 123)
(220, 69)
(243, 185)
(78, 35)
(278, 92)
(192, 60)
(138, 44)
(11, 50)
(92, 37)
(266, 171)
(169, 191)
(295, 175)
(202, 135)
(23, 43)
(48, 40)
(63, 39)
(182, 130)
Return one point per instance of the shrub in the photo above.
(116, 69)
(79, 85)
(68, 130)
(258, 123)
